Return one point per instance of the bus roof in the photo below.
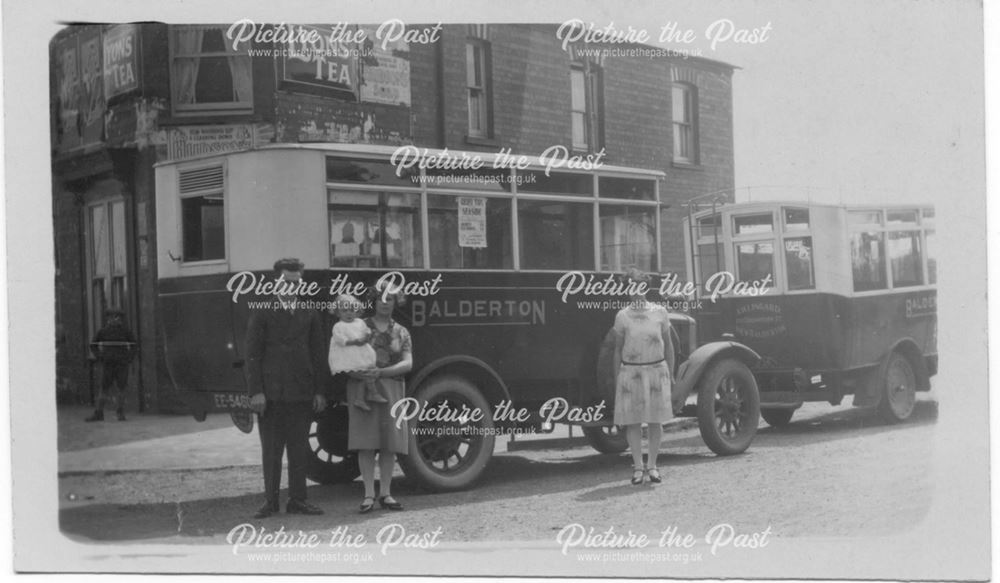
(385, 152)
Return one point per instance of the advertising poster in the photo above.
(670, 290)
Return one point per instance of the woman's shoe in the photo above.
(384, 502)
(637, 475)
(367, 506)
(654, 475)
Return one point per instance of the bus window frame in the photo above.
(884, 229)
(513, 195)
(202, 266)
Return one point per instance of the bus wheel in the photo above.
(728, 407)
(899, 390)
(330, 462)
(777, 417)
(449, 454)
(605, 438)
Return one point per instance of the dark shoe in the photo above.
(637, 476)
(377, 398)
(121, 415)
(97, 416)
(301, 507)
(361, 405)
(367, 504)
(267, 509)
(654, 475)
(389, 502)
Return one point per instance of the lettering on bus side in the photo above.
(759, 320)
(435, 312)
(920, 306)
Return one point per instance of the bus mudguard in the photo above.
(690, 371)
(487, 379)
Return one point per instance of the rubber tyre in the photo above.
(449, 462)
(728, 407)
(330, 462)
(898, 389)
(606, 439)
(777, 417)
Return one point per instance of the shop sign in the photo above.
(472, 221)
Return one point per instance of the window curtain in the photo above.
(239, 66)
(187, 43)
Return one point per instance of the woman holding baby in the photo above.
(372, 391)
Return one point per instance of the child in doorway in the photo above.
(350, 351)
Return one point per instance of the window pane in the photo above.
(578, 99)
(100, 241)
(476, 108)
(796, 219)
(221, 76)
(579, 129)
(556, 183)
(375, 229)
(556, 235)
(485, 178)
(905, 259)
(799, 263)
(118, 237)
(868, 261)
(627, 188)
(755, 261)
(679, 105)
(443, 227)
(710, 226)
(927, 216)
(864, 217)
(682, 142)
(931, 256)
(901, 217)
(753, 224)
(710, 262)
(369, 172)
(470, 65)
(628, 237)
(203, 228)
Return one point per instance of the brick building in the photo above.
(126, 97)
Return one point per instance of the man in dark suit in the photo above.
(286, 367)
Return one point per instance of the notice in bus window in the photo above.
(472, 221)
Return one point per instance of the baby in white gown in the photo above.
(350, 351)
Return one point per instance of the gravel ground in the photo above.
(835, 471)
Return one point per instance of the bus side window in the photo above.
(556, 234)
(868, 261)
(755, 261)
(799, 263)
(905, 258)
(931, 259)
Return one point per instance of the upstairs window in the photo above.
(206, 74)
(587, 118)
(684, 101)
(477, 83)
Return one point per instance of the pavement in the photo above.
(150, 441)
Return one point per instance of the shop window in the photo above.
(369, 229)
(905, 258)
(556, 235)
(868, 261)
(799, 263)
(587, 117)
(685, 123)
(627, 188)
(628, 237)
(207, 74)
(755, 261)
(477, 82)
(456, 243)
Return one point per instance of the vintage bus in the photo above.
(482, 252)
(850, 308)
